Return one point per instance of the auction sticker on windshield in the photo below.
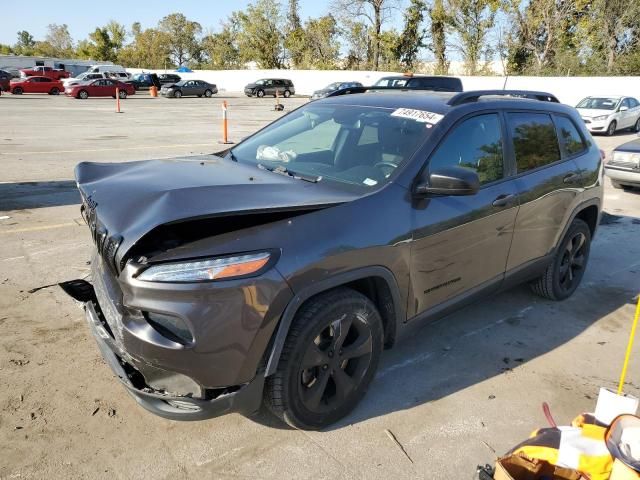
(418, 115)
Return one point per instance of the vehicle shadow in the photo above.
(26, 195)
(489, 338)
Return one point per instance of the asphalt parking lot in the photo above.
(463, 390)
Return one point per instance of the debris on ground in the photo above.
(395, 440)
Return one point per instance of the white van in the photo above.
(106, 68)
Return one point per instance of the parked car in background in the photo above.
(332, 87)
(83, 77)
(5, 80)
(168, 78)
(278, 270)
(13, 71)
(623, 168)
(189, 88)
(421, 82)
(49, 72)
(144, 81)
(610, 113)
(107, 68)
(36, 85)
(269, 86)
(103, 87)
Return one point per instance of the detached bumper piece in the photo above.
(244, 399)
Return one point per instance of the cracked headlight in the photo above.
(206, 270)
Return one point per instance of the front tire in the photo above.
(83, 94)
(565, 272)
(260, 93)
(177, 94)
(122, 94)
(611, 130)
(328, 361)
(636, 127)
(287, 94)
(17, 91)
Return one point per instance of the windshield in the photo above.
(259, 82)
(599, 103)
(352, 144)
(333, 86)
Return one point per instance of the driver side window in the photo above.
(476, 144)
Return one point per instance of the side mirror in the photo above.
(624, 108)
(449, 181)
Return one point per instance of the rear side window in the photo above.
(534, 140)
(476, 144)
(570, 139)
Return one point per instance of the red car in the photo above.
(52, 73)
(103, 87)
(36, 85)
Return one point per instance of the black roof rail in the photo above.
(474, 95)
(349, 90)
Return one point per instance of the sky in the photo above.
(83, 17)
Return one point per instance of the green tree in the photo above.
(150, 48)
(357, 39)
(321, 45)
(25, 43)
(5, 49)
(389, 60)
(260, 36)
(439, 19)
(411, 39)
(373, 12)
(183, 35)
(57, 42)
(221, 49)
(471, 21)
(294, 34)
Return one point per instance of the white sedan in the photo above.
(607, 114)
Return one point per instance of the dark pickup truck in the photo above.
(144, 81)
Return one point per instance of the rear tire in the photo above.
(611, 129)
(122, 94)
(287, 94)
(636, 127)
(54, 91)
(565, 272)
(328, 360)
(83, 94)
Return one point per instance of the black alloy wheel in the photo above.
(328, 361)
(565, 272)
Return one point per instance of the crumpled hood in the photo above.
(130, 199)
(594, 112)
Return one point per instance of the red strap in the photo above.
(547, 413)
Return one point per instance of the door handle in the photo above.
(571, 178)
(504, 200)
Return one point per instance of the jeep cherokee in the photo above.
(278, 270)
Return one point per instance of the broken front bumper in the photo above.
(245, 399)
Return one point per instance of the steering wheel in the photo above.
(384, 165)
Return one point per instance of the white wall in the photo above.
(569, 90)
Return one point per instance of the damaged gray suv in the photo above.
(277, 271)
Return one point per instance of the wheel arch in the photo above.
(376, 282)
(588, 211)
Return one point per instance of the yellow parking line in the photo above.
(40, 228)
(144, 147)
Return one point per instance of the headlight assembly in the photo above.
(207, 270)
(600, 118)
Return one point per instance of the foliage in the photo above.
(150, 48)
(439, 20)
(411, 40)
(221, 49)
(260, 36)
(183, 38)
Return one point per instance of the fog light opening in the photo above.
(173, 328)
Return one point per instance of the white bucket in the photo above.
(610, 405)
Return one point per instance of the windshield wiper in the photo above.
(290, 173)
